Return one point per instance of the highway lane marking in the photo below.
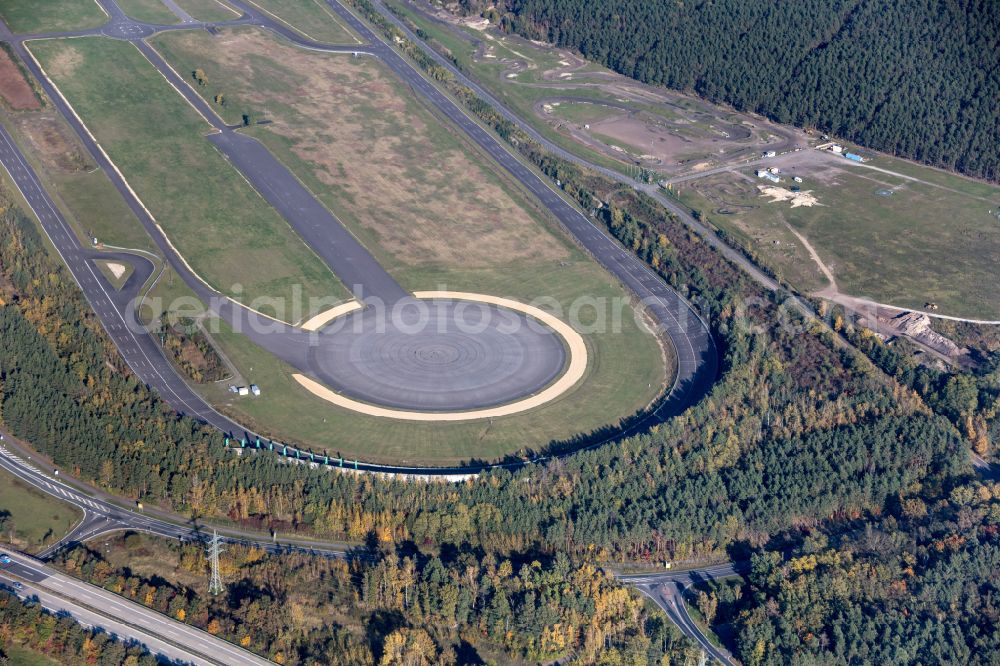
(137, 611)
(32, 179)
(75, 608)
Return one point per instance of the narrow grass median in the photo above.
(150, 11)
(312, 19)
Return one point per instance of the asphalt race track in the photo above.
(398, 352)
(696, 355)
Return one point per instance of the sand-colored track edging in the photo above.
(325, 317)
(574, 372)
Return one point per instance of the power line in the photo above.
(214, 550)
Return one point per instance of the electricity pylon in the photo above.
(214, 550)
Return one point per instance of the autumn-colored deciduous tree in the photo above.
(409, 647)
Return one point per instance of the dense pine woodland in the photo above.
(917, 586)
(801, 435)
(917, 78)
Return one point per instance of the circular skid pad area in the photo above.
(440, 355)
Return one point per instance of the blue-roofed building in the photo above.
(854, 156)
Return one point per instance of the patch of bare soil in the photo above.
(779, 194)
(14, 88)
(118, 270)
(65, 63)
(52, 141)
(656, 141)
(383, 156)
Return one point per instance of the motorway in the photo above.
(102, 516)
(667, 591)
(697, 358)
(696, 353)
(94, 607)
(695, 349)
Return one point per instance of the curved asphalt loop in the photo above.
(520, 364)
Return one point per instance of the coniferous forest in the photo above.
(917, 78)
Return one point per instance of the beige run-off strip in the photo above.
(575, 371)
(324, 318)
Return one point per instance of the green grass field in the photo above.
(520, 253)
(150, 11)
(624, 362)
(34, 16)
(84, 193)
(421, 223)
(223, 228)
(884, 237)
(491, 58)
(923, 244)
(19, 656)
(35, 520)
(99, 210)
(311, 18)
(208, 10)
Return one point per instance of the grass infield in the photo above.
(224, 229)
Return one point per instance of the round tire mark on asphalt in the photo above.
(446, 356)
